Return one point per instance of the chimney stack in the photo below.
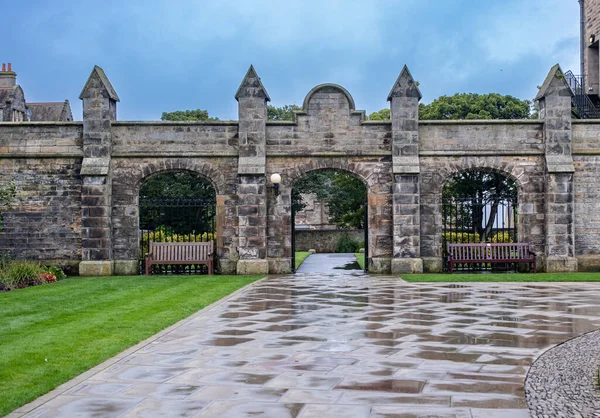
(8, 78)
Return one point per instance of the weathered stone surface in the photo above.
(125, 267)
(78, 183)
(557, 264)
(407, 265)
(96, 268)
(252, 267)
(325, 241)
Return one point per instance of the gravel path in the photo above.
(561, 382)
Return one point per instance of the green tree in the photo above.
(177, 218)
(480, 192)
(343, 193)
(177, 185)
(475, 106)
(470, 106)
(383, 114)
(187, 115)
(282, 113)
(347, 201)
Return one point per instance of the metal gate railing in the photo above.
(468, 220)
(175, 220)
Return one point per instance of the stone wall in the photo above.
(325, 241)
(586, 157)
(44, 161)
(78, 183)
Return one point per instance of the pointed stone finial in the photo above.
(405, 86)
(98, 83)
(252, 86)
(555, 82)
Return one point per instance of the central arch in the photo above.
(330, 214)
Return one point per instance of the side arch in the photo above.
(129, 174)
(526, 171)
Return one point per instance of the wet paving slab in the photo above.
(342, 345)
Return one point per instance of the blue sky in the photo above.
(185, 54)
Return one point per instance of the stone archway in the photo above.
(129, 175)
(525, 171)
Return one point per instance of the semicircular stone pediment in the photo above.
(330, 104)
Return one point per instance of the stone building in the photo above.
(78, 182)
(12, 98)
(14, 108)
(590, 39)
(49, 111)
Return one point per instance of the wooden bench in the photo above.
(515, 252)
(180, 253)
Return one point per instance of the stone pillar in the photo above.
(404, 98)
(554, 101)
(99, 109)
(252, 197)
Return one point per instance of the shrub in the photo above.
(460, 237)
(19, 274)
(504, 236)
(347, 245)
(56, 271)
(48, 277)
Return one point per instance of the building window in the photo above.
(17, 116)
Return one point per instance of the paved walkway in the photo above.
(330, 263)
(341, 346)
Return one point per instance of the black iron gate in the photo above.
(471, 220)
(175, 220)
(366, 228)
(293, 220)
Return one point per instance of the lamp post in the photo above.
(276, 179)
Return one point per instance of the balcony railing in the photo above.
(583, 107)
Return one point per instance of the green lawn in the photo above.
(360, 257)
(515, 277)
(52, 333)
(300, 256)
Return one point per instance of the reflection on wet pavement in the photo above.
(344, 345)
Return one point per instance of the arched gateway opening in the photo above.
(479, 206)
(178, 206)
(329, 215)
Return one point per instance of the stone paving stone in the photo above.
(311, 396)
(167, 408)
(336, 411)
(160, 391)
(230, 409)
(72, 406)
(399, 411)
(210, 393)
(344, 345)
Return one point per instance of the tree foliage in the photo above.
(343, 193)
(469, 106)
(282, 113)
(187, 115)
(383, 114)
(177, 185)
(480, 193)
(475, 106)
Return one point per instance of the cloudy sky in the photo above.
(189, 54)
